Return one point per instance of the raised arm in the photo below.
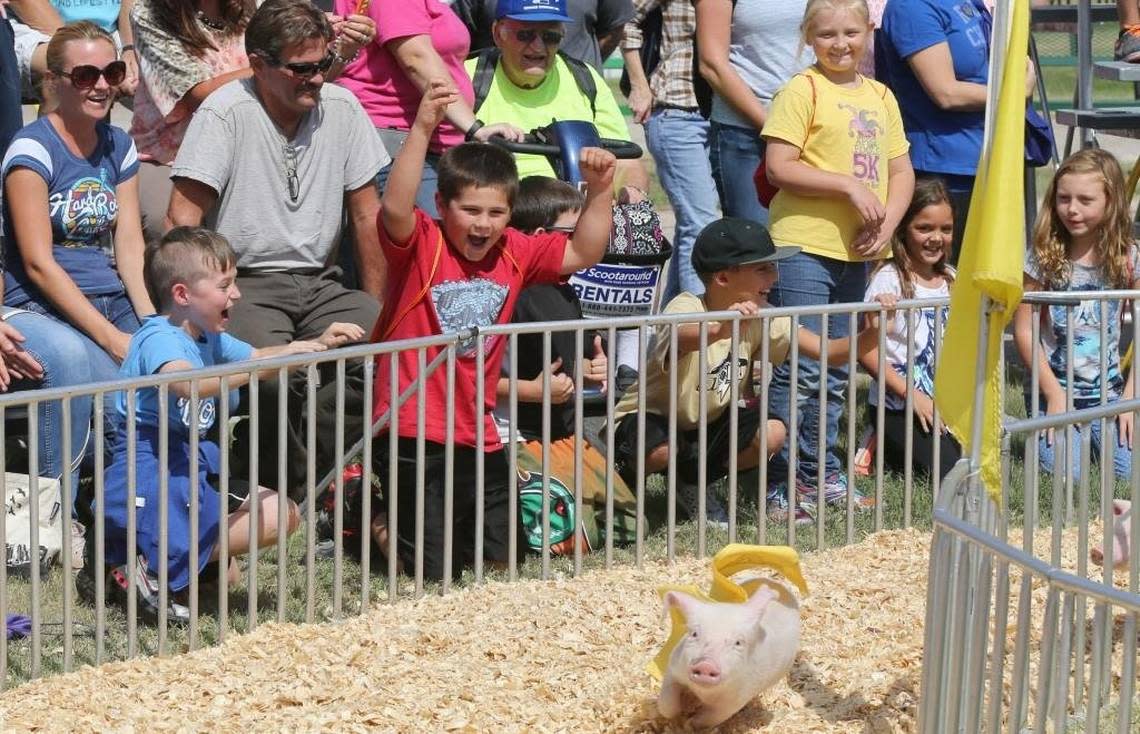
(592, 234)
(398, 205)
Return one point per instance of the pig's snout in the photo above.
(705, 672)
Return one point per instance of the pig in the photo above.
(731, 651)
(1121, 536)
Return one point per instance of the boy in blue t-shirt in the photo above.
(190, 277)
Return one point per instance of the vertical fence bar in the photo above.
(312, 377)
(194, 426)
(880, 422)
(67, 512)
(36, 601)
(392, 491)
(793, 429)
(852, 410)
(254, 507)
(908, 446)
(282, 486)
(702, 437)
(366, 459)
(611, 340)
(97, 568)
(163, 513)
(338, 507)
(671, 476)
(821, 451)
(546, 376)
(224, 430)
(512, 460)
(579, 507)
(421, 419)
(733, 423)
(132, 522)
(765, 380)
(481, 468)
(936, 426)
(449, 468)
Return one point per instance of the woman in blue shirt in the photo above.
(934, 54)
(74, 245)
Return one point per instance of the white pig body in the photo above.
(1121, 536)
(731, 652)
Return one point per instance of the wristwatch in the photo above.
(469, 136)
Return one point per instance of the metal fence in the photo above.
(1026, 634)
(299, 579)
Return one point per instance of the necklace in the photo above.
(215, 25)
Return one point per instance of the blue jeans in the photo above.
(736, 152)
(678, 140)
(811, 280)
(1121, 455)
(117, 309)
(429, 184)
(63, 356)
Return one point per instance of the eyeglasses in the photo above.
(549, 38)
(561, 228)
(86, 76)
(308, 69)
(291, 180)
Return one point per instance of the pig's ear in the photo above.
(759, 600)
(688, 606)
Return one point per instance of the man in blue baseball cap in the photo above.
(526, 81)
(593, 31)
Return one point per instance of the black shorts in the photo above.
(496, 515)
(717, 443)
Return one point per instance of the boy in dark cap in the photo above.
(736, 260)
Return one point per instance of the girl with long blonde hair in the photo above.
(1082, 242)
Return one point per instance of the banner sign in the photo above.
(617, 290)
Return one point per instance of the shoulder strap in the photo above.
(811, 120)
(423, 291)
(584, 79)
(487, 60)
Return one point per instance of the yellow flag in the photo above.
(991, 260)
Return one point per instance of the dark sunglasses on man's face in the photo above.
(309, 69)
(549, 38)
(86, 76)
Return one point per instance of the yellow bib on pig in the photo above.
(731, 560)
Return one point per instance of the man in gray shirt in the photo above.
(272, 162)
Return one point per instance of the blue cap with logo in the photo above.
(538, 11)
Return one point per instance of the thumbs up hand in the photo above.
(594, 368)
(561, 385)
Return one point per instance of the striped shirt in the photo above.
(672, 81)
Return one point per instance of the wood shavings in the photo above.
(534, 656)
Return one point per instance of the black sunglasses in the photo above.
(308, 69)
(86, 76)
(549, 38)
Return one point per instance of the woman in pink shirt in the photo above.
(417, 41)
